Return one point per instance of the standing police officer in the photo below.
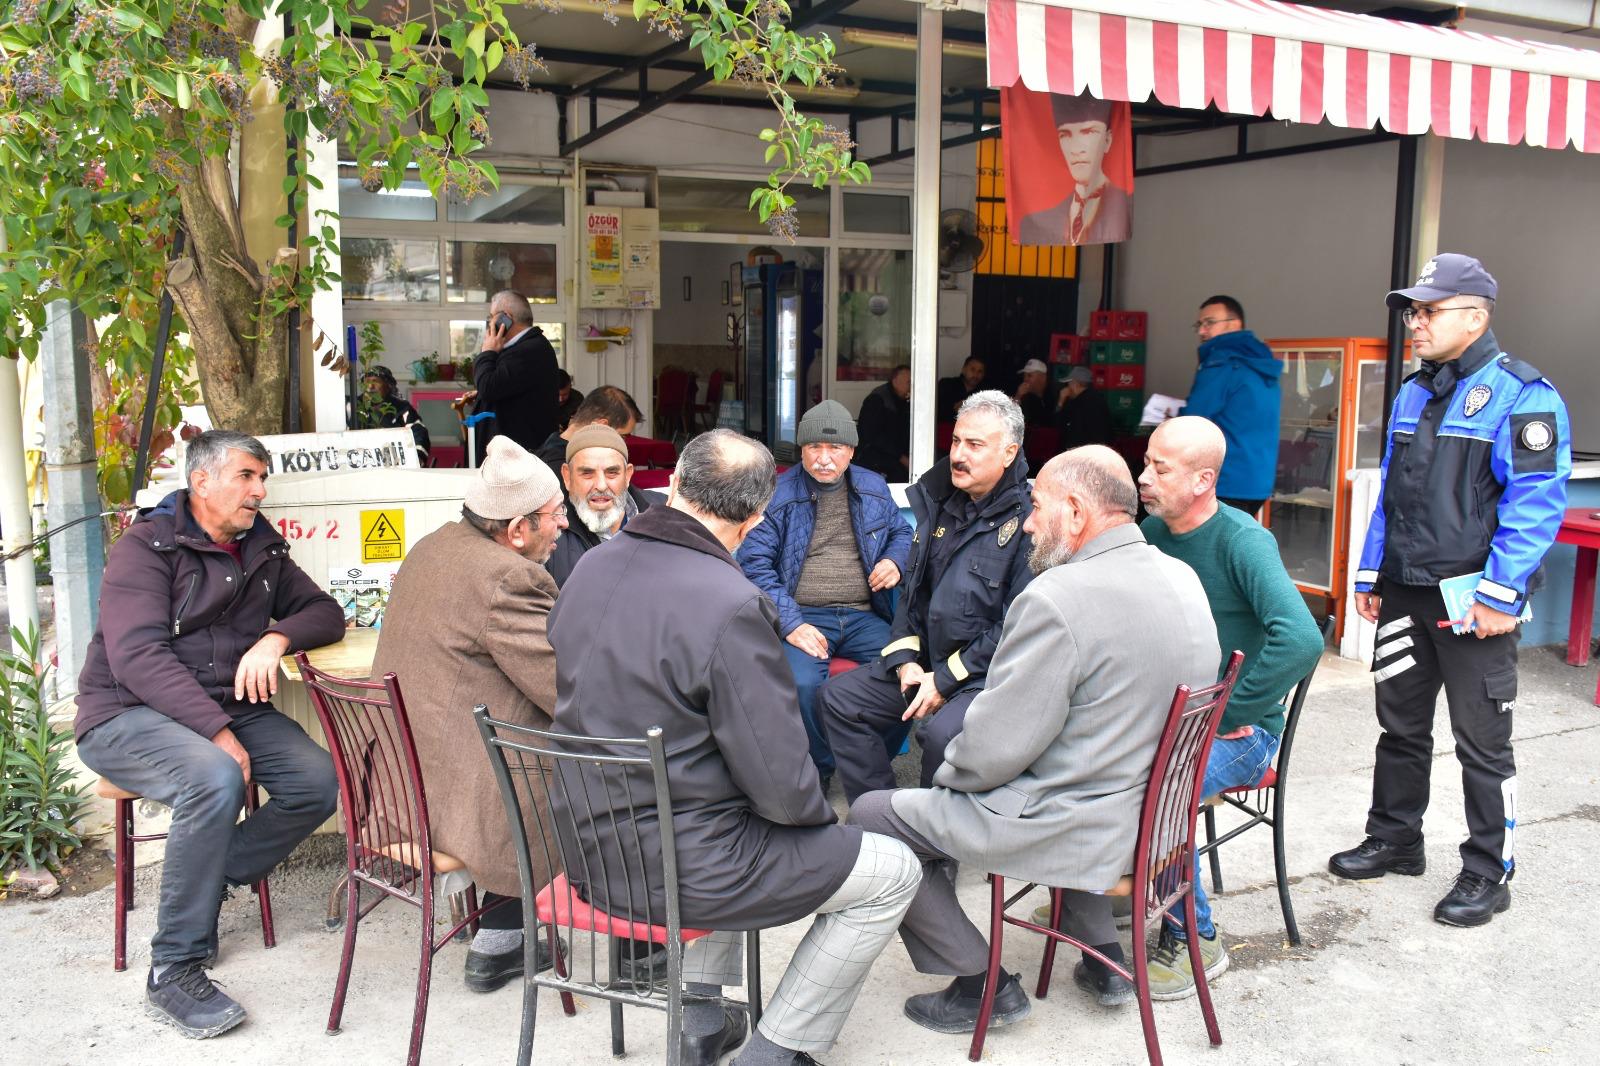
(969, 559)
(1474, 483)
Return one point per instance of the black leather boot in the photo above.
(1473, 900)
(1374, 858)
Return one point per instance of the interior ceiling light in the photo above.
(907, 42)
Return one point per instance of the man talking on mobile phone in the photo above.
(516, 376)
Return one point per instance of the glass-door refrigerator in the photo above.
(783, 349)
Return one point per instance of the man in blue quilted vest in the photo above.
(832, 547)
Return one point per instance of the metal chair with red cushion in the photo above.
(1163, 865)
(706, 413)
(1263, 803)
(125, 836)
(534, 767)
(389, 846)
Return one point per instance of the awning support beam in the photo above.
(925, 237)
(1405, 192)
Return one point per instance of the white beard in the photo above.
(601, 523)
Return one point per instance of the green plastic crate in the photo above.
(1129, 352)
(1126, 404)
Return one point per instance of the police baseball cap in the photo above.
(1446, 274)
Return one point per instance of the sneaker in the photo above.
(187, 999)
(1170, 974)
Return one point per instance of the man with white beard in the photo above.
(600, 495)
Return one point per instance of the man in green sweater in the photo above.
(1257, 610)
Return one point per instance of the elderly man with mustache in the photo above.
(969, 560)
(828, 554)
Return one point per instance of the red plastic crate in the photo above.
(1118, 325)
(1119, 376)
(1069, 348)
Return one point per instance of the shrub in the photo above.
(39, 805)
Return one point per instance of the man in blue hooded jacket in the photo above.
(828, 554)
(1237, 388)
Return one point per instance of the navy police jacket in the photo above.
(950, 621)
(1474, 478)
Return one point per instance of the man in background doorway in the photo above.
(953, 391)
(1082, 414)
(1032, 392)
(1237, 388)
(884, 426)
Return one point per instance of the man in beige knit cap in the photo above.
(466, 625)
(600, 494)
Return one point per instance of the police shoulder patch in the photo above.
(1477, 397)
(1008, 531)
(1537, 435)
(1523, 372)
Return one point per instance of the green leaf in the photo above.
(182, 92)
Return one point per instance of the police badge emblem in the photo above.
(1537, 436)
(1477, 396)
(1008, 531)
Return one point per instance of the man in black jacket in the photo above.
(516, 375)
(969, 559)
(605, 406)
(1082, 414)
(199, 602)
(601, 499)
(660, 628)
(884, 427)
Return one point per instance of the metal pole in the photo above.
(925, 237)
(293, 154)
(1108, 275)
(1399, 269)
(77, 552)
(158, 362)
(21, 594)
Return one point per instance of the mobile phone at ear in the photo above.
(501, 321)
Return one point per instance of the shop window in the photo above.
(876, 213)
(377, 268)
(466, 336)
(534, 205)
(712, 205)
(476, 270)
(411, 201)
(874, 313)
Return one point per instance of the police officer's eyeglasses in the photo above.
(1425, 314)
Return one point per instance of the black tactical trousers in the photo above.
(1412, 660)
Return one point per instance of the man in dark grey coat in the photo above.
(697, 652)
(1047, 780)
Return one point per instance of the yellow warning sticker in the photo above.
(383, 536)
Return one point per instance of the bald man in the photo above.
(1078, 766)
(1257, 610)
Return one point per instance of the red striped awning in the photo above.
(1301, 64)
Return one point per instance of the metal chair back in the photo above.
(1163, 862)
(598, 791)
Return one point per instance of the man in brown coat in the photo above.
(466, 625)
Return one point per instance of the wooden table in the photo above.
(1581, 528)
(351, 657)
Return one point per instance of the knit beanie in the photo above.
(511, 482)
(594, 435)
(827, 423)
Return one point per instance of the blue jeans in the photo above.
(1232, 763)
(856, 635)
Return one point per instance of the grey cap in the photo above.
(1082, 375)
(827, 423)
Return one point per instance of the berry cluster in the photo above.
(32, 78)
(25, 12)
(112, 71)
(785, 224)
(89, 23)
(523, 63)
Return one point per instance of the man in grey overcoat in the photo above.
(1045, 781)
(698, 651)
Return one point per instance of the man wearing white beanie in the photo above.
(466, 625)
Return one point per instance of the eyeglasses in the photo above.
(559, 513)
(1207, 323)
(1412, 314)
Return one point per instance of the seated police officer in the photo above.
(969, 559)
(828, 553)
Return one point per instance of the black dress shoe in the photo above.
(1108, 988)
(708, 1050)
(1374, 858)
(948, 1011)
(1473, 900)
(642, 963)
(486, 973)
